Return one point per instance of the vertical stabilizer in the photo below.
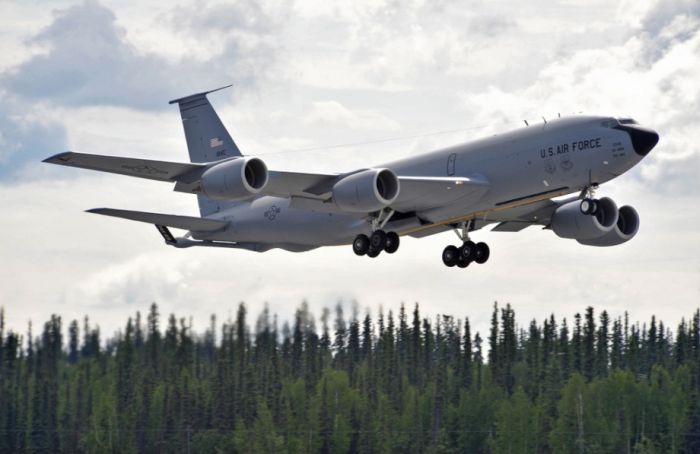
(207, 139)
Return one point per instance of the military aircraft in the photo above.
(514, 180)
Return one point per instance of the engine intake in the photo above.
(625, 229)
(237, 179)
(366, 191)
(568, 221)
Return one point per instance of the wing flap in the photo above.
(426, 193)
(511, 226)
(289, 184)
(170, 220)
(142, 168)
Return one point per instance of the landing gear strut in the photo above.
(379, 240)
(468, 252)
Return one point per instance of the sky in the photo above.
(331, 86)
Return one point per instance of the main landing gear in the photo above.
(468, 252)
(379, 240)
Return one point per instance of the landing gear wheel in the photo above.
(463, 263)
(372, 252)
(450, 255)
(466, 251)
(392, 242)
(481, 253)
(377, 240)
(589, 206)
(360, 245)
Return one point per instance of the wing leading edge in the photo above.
(133, 167)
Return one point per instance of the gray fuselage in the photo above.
(533, 163)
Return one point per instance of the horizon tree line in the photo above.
(397, 383)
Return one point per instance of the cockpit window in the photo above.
(627, 121)
(612, 122)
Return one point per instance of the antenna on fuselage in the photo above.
(526, 123)
(545, 120)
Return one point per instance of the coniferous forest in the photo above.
(398, 382)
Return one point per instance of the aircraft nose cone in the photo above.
(643, 139)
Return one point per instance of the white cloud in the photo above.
(27, 131)
(333, 113)
(90, 61)
(340, 73)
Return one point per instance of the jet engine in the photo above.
(366, 191)
(585, 220)
(625, 229)
(237, 179)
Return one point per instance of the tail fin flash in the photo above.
(207, 137)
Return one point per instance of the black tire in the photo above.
(373, 252)
(360, 245)
(392, 242)
(589, 206)
(482, 253)
(463, 263)
(450, 255)
(377, 240)
(467, 250)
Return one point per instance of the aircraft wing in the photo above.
(517, 218)
(142, 168)
(307, 190)
(511, 217)
(313, 191)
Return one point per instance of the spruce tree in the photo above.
(577, 345)
(467, 356)
(601, 351)
(617, 345)
(588, 342)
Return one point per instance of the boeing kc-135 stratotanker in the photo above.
(510, 179)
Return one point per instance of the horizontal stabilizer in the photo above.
(170, 220)
(142, 168)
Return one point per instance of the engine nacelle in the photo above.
(366, 191)
(237, 179)
(625, 229)
(568, 221)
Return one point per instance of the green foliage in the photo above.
(516, 425)
(405, 384)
